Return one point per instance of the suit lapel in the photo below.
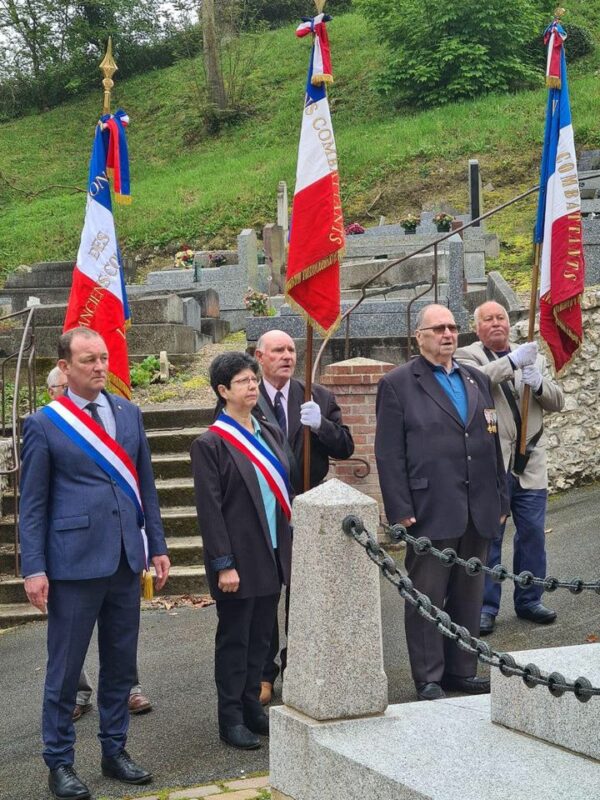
(472, 395)
(424, 375)
(117, 410)
(248, 473)
(295, 400)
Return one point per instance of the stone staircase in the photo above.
(170, 433)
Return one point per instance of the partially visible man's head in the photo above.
(56, 383)
(276, 354)
(492, 326)
(83, 358)
(437, 334)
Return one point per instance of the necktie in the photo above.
(280, 412)
(93, 409)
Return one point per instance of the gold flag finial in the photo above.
(108, 67)
(559, 12)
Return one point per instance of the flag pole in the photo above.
(308, 357)
(535, 279)
(108, 67)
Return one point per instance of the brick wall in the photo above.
(354, 383)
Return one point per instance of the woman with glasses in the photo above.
(243, 503)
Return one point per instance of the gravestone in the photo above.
(475, 192)
(274, 247)
(282, 208)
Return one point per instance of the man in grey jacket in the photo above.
(509, 369)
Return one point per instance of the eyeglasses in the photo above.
(440, 329)
(251, 379)
(59, 386)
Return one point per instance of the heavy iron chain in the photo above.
(473, 566)
(531, 674)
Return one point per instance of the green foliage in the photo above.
(442, 52)
(579, 43)
(280, 12)
(142, 374)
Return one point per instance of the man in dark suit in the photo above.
(282, 400)
(82, 549)
(442, 476)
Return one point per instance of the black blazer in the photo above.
(333, 439)
(232, 517)
(431, 465)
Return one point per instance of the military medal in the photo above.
(491, 417)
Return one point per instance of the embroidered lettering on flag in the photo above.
(270, 467)
(558, 227)
(317, 226)
(98, 299)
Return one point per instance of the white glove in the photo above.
(524, 355)
(310, 414)
(532, 377)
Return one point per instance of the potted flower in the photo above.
(443, 222)
(216, 259)
(409, 223)
(184, 258)
(258, 303)
(353, 229)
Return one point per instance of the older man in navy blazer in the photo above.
(82, 549)
(442, 476)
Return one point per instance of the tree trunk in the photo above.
(214, 78)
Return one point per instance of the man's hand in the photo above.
(407, 522)
(37, 592)
(503, 519)
(310, 415)
(229, 580)
(524, 355)
(162, 565)
(532, 377)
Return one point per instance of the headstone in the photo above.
(248, 255)
(274, 246)
(475, 199)
(33, 301)
(282, 207)
(335, 651)
(381, 220)
(164, 366)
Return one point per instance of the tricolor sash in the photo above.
(95, 442)
(269, 465)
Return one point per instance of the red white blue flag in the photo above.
(98, 299)
(558, 228)
(317, 228)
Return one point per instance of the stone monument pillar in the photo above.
(248, 255)
(274, 246)
(282, 208)
(475, 199)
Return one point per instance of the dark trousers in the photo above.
(528, 508)
(74, 607)
(241, 644)
(431, 654)
(271, 668)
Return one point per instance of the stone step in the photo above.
(175, 492)
(185, 551)
(160, 417)
(171, 465)
(182, 580)
(217, 329)
(168, 441)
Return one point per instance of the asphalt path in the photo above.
(178, 740)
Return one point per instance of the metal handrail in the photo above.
(27, 345)
(346, 315)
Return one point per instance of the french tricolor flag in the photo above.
(98, 299)
(558, 227)
(317, 230)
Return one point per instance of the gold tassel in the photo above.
(320, 78)
(553, 82)
(123, 199)
(148, 586)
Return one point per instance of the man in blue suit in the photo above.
(82, 549)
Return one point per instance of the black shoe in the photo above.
(474, 685)
(487, 623)
(258, 725)
(239, 736)
(65, 785)
(538, 613)
(123, 768)
(429, 691)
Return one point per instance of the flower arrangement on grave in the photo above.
(443, 221)
(409, 223)
(257, 303)
(184, 258)
(353, 229)
(216, 259)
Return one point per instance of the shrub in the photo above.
(142, 374)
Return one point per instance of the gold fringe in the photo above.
(147, 585)
(553, 83)
(555, 312)
(305, 274)
(123, 199)
(117, 386)
(320, 78)
(308, 319)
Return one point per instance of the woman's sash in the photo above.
(95, 442)
(269, 465)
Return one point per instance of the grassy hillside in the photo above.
(391, 161)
